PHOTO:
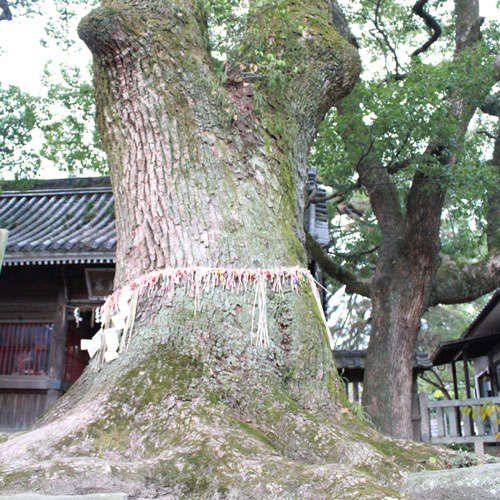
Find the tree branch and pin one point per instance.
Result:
(468, 24)
(439, 385)
(395, 166)
(456, 283)
(6, 13)
(385, 37)
(427, 193)
(491, 105)
(384, 198)
(430, 22)
(340, 23)
(488, 134)
(315, 199)
(356, 256)
(353, 283)
(374, 178)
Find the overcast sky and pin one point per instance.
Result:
(22, 57)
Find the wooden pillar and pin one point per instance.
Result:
(455, 390)
(355, 391)
(468, 421)
(58, 346)
(466, 374)
(415, 410)
(479, 447)
(4, 234)
(425, 428)
(454, 374)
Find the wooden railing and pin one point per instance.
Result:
(458, 421)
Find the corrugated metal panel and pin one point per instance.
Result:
(315, 217)
(60, 222)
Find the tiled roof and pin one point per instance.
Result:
(355, 359)
(487, 320)
(72, 221)
(59, 221)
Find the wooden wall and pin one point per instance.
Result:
(19, 409)
(40, 293)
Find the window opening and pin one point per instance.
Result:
(25, 348)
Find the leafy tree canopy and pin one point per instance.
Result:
(400, 106)
(55, 127)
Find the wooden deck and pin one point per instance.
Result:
(446, 422)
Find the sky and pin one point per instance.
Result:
(22, 56)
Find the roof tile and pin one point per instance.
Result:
(66, 221)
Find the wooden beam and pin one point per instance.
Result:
(59, 338)
(24, 382)
(31, 383)
(445, 403)
(463, 439)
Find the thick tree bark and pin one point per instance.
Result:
(400, 294)
(200, 176)
(203, 176)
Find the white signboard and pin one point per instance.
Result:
(3, 243)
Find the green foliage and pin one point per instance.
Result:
(400, 106)
(464, 458)
(447, 322)
(71, 139)
(61, 24)
(485, 412)
(57, 128)
(18, 118)
(358, 410)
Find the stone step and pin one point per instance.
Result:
(90, 496)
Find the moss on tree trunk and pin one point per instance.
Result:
(213, 175)
(192, 410)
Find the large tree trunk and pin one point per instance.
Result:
(400, 296)
(204, 177)
(401, 290)
(403, 283)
